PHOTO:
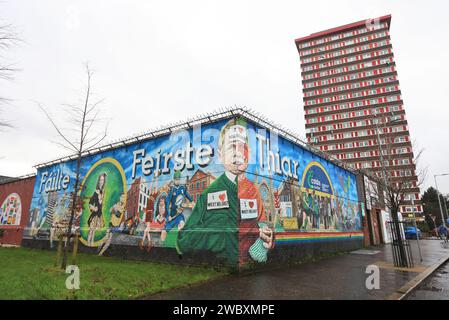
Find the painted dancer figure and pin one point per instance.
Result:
(321, 201)
(158, 223)
(301, 216)
(37, 217)
(340, 213)
(334, 217)
(53, 229)
(228, 218)
(117, 212)
(306, 211)
(327, 213)
(316, 210)
(77, 216)
(95, 221)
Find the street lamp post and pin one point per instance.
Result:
(416, 229)
(379, 141)
(445, 204)
(382, 164)
(438, 194)
(397, 229)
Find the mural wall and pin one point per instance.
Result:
(15, 198)
(229, 187)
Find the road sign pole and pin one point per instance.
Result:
(416, 229)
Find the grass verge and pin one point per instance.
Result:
(30, 274)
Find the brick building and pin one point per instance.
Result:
(15, 198)
(137, 198)
(198, 183)
(352, 101)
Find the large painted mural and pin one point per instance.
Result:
(230, 187)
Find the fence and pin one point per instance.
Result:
(402, 252)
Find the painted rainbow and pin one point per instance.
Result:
(291, 237)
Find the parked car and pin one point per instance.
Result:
(411, 232)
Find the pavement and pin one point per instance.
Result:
(338, 277)
(435, 287)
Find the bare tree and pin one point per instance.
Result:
(8, 38)
(80, 137)
(397, 188)
(394, 188)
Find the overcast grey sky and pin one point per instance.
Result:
(158, 62)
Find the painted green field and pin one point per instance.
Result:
(30, 274)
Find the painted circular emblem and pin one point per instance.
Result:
(103, 191)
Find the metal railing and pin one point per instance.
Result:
(401, 249)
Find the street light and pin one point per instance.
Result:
(393, 119)
(438, 194)
(403, 260)
(416, 229)
(445, 205)
(445, 202)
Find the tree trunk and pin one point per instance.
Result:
(72, 212)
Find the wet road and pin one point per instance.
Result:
(436, 287)
(341, 277)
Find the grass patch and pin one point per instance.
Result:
(30, 274)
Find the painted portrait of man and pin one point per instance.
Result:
(229, 218)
